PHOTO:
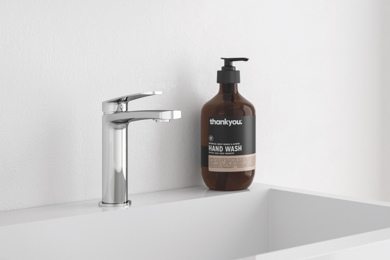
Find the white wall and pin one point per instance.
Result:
(314, 75)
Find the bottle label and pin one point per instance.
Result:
(232, 144)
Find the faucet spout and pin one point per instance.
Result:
(115, 123)
(131, 116)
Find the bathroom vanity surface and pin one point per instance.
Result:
(263, 222)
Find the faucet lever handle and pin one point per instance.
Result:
(119, 104)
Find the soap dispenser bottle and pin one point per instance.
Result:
(228, 137)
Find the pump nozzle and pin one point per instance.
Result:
(228, 74)
(229, 61)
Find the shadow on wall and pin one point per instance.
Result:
(184, 147)
(166, 156)
(385, 189)
(56, 171)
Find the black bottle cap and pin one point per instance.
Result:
(229, 74)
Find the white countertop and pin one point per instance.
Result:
(263, 222)
(27, 215)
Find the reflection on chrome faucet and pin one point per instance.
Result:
(116, 119)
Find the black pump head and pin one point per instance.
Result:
(229, 62)
(229, 74)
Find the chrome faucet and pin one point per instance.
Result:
(116, 119)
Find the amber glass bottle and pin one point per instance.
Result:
(228, 135)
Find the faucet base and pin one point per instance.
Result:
(123, 205)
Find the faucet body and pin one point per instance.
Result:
(115, 121)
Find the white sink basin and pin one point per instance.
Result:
(264, 222)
